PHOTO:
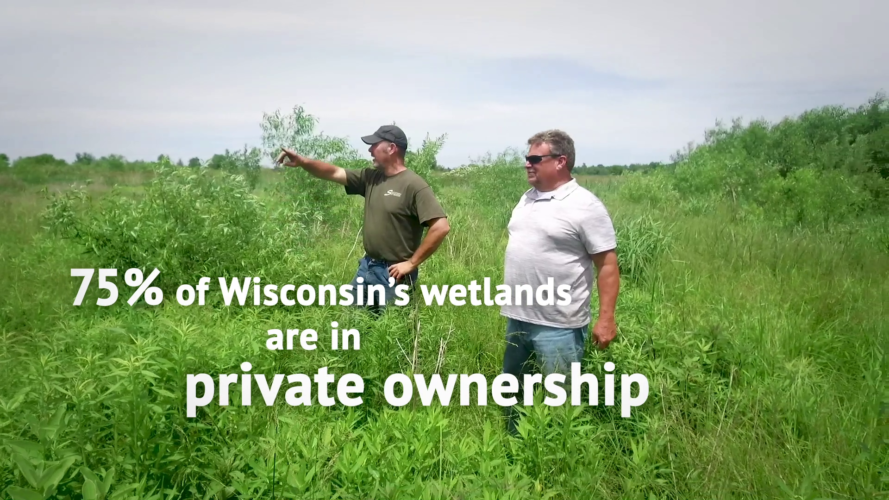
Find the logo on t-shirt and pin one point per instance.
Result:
(392, 193)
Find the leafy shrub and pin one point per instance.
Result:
(698, 175)
(37, 161)
(296, 131)
(497, 182)
(826, 165)
(246, 163)
(812, 197)
(188, 224)
(424, 159)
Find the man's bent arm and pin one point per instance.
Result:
(438, 229)
(608, 282)
(325, 171)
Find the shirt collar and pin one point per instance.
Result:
(559, 193)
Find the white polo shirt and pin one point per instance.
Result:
(552, 236)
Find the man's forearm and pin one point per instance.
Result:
(608, 283)
(434, 236)
(322, 170)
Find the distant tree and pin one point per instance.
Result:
(179, 163)
(114, 162)
(681, 155)
(194, 162)
(296, 130)
(39, 160)
(220, 162)
(84, 159)
(4, 160)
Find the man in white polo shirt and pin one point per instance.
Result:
(559, 230)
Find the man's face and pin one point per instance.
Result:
(381, 152)
(545, 174)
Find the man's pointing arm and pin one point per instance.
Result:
(317, 168)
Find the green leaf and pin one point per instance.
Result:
(17, 493)
(56, 421)
(27, 447)
(55, 473)
(123, 491)
(109, 476)
(88, 474)
(28, 470)
(163, 392)
(89, 490)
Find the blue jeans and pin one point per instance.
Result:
(376, 272)
(554, 349)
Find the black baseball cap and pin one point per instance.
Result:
(391, 133)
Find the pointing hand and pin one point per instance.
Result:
(290, 158)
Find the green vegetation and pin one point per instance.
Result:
(600, 169)
(753, 299)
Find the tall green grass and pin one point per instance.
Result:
(763, 340)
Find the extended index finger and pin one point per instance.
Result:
(287, 153)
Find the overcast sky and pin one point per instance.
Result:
(630, 81)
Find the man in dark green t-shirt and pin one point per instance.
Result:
(398, 204)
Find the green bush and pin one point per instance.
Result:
(826, 165)
(424, 161)
(811, 197)
(246, 163)
(188, 224)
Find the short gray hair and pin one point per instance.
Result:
(560, 143)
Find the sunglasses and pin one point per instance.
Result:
(535, 159)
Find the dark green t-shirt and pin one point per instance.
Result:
(396, 209)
